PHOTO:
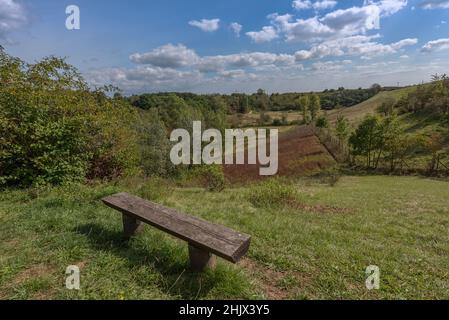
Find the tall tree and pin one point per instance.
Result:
(315, 106)
(304, 104)
(342, 129)
(366, 140)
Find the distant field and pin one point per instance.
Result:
(253, 119)
(317, 251)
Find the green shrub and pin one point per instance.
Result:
(155, 189)
(54, 130)
(213, 178)
(329, 176)
(154, 145)
(272, 193)
(322, 122)
(210, 177)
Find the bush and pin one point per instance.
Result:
(329, 176)
(212, 177)
(272, 193)
(156, 189)
(322, 122)
(53, 130)
(154, 145)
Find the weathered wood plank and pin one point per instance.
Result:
(217, 239)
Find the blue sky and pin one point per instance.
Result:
(234, 46)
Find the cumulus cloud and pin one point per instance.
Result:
(435, 4)
(168, 56)
(236, 28)
(342, 22)
(179, 56)
(12, 16)
(327, 66)
(244, 60)
(207, 25)
(317, 5)
(436, 45)
(363, 46)
(265, 35)
(388, 7)
(145, 78)
(355, 20)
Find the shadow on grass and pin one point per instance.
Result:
(178, 281)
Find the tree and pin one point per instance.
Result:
(342, 129)
(322, 122)
(376, 87)
(315, 106)
(54, 130)
(434, 144)
(366, 140)
(304, 103)
(387, 108)
(392, 138)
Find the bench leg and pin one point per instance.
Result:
(131, 226)
(200, 259)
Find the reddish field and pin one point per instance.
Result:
(300, 153)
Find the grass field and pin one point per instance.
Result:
(318, 249)
(356, 113)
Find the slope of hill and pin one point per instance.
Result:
(356, 113)
(300, 152)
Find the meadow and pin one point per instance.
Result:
(314, 247)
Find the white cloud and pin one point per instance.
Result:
(177, 57)
(12, 17)
(317, 5)
(301, 29)
(363, 46)
(388, 7)
(436, 45)
(206, 25)
(328, 66)
(243, 60)
(145, 78)
(265, 35)
(342, 22)
(236, 28)
(168, 56)
(302, 4)
(435, 4)
(354, 20)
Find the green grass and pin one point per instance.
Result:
(356, 113)
(314, 251)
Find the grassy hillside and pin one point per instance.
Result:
(356, 113)
(300, 153)
(318, 248)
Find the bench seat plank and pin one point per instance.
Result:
(217, 239)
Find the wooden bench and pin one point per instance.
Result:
(205, 239)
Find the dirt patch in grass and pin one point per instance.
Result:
(31, 273)
(272, 282)
(319, 208)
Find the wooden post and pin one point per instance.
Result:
(131, 226)
(200, 259)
